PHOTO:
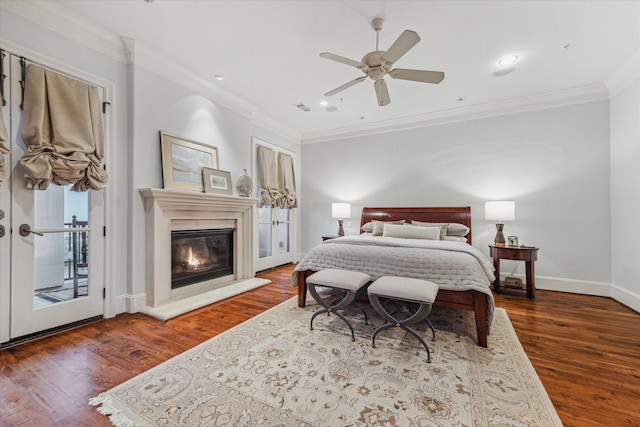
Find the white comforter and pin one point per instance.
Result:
(452, 265)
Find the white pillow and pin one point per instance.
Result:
(367, 228)
(411, 232)
(453, 229)
(443, 226)
(377, 226)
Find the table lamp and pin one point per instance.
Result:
(340, 211)
(500, 211)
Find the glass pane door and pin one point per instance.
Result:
(57, 246)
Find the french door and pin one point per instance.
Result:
(274, 237)
(275, 226)
(52, 259)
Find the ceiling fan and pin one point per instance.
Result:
(378, 63)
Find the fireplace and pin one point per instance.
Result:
(169, 212)
(200, 255)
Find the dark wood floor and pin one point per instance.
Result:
(585, 349)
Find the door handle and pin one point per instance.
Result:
(25, 230)
(2, 231)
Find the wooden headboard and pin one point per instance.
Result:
(461, 215)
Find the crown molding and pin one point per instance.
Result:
(56, 18)
(625, 74)
(152, 61)
(276, 127)
(541, 101)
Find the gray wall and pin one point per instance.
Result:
(625, 191)
(554, 163)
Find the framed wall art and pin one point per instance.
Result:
(216, 181)
(183, 161)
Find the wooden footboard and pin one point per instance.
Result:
(466, 300)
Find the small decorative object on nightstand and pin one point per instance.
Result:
(528, 254)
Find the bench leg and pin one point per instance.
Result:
(418, 316)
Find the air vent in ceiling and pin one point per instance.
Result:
(303, 107)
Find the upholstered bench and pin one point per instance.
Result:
(347, 283)
(403, 289)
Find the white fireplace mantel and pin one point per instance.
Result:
(168, 210)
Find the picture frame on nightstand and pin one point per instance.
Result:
(512, 240)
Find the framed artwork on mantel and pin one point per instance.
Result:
(216, 181)
(183, 161)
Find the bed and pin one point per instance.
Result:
(463, 273)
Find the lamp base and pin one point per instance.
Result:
(499, 240)
(341, 230)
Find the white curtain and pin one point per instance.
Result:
(62, 129)
(269, 192)
(286, 182)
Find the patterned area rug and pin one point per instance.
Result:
(273, 371)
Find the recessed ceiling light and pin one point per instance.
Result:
(218, 77)
(324, 103)
(507, 60)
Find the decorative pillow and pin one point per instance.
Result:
(456, 239)
(411, 232)
(441, 225)
(453, 229)
(377, 226)
(367, 228)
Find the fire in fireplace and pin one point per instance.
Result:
(199, 255)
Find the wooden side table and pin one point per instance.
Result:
(329, 237)
(528, 254)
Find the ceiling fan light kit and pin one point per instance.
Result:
(378, 64)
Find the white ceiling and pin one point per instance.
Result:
(268, 51)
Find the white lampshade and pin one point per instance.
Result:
(340, 210)
(500, 211)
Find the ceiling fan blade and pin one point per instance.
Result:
(406, 41)
(424, 76)
(382, 93)
(345, 86)
(342, 59)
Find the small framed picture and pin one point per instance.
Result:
(216, 181)
(512, 240)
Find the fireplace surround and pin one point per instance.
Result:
(168, 210)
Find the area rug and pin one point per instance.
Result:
(273, 370)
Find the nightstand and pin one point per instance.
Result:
(329, 237)
(528, 254)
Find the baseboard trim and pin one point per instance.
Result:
(626, 297)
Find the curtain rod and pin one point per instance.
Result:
(39, 64)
